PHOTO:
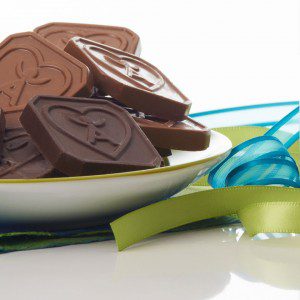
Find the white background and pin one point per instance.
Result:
(220, 53)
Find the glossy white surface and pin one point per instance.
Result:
(201, 264)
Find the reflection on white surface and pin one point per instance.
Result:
(201, 264)
(267, 236)
(241, 289)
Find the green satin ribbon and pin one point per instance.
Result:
(260, 208)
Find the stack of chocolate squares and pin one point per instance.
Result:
(78, 100)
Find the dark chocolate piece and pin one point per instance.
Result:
(81, 136)
(118, 37)
(30, 66)
(186, 135)
(2, 129)
(20, 157)
(130, 79)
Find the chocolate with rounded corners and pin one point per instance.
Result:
(118, 37)
(131, 80)
(81, 136)
(30, 66)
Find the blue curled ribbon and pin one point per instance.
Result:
(263, 160)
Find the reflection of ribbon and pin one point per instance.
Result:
(259, 161)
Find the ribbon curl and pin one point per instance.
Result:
(263, 160)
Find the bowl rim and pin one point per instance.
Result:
(121, 174)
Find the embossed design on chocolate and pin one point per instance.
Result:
(136, 72)
(30, 66)
(96, 128)
(93, 132)
(118, 37)
(20, 158)
(30, 70)
(16, 144)
(82, 136)
(130, 79)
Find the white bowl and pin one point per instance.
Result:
(94, 197)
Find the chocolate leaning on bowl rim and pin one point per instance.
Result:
(188, 134)
(131, 80)
(83, 136)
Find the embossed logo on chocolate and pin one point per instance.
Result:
(133, 71)
(29, 71)
(82, 136)
(93, 127)
(30, 66)
(18, 151)
(133, 81)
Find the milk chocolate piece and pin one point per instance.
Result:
(12, 116)
(30, 66)
(2, 129)
(187, 135)
(118, 37)
(81, 136)
(20, 157)
(130, 79)
(183, 135)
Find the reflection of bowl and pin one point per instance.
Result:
(63, 199)
(274, 261)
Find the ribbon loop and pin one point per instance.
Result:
(263, 160)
